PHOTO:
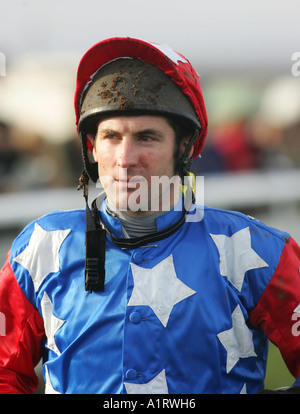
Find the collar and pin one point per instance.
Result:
(163, 221)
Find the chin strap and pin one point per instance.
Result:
(186, 164)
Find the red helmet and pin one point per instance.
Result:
(171, 64)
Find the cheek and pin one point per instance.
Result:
(95, 155)
(104, 167)
(160, 163)
(103, 156)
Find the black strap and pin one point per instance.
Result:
(135, 242)
(95, 260)
(95, 239)
(186, 162)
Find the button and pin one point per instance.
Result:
(137, 257)
(131, 374)
(135, 317)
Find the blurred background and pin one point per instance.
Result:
(248, 57)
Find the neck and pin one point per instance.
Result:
(135, 225)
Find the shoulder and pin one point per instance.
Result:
(233, 228)
(61, 219)
(228, 221)
(67, 221)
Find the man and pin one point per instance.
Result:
(146, 292)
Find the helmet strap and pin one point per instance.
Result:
(90, 168)
(186, 161)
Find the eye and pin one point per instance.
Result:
(146, 138)
(110, 136)
(149, 135)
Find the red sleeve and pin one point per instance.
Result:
(278, 311)
(21, 337)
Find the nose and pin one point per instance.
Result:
(127, 154)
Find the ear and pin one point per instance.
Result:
(92, 144)
(191, 152)
(184, 144)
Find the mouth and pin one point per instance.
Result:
(133, 179)
(131, 183)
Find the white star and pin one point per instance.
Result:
(237, 256)
(158, 385)
(297, 309)
(238, 340)
(158, 288)
(41, 257)
(51, 322)
(168, 51)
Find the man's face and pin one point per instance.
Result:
(130, 151)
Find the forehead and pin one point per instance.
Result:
(136, 123)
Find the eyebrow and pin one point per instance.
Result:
(106, 131)
(146, 131)
(149, 131)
